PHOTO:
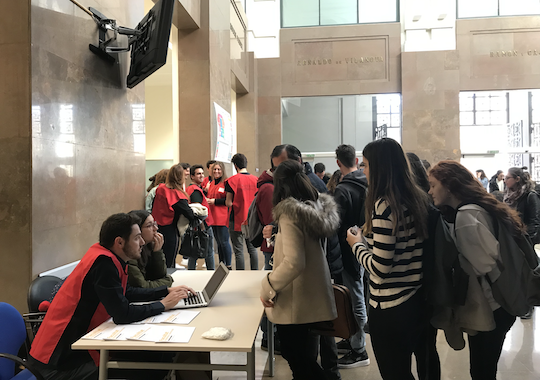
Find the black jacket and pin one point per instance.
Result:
(493, 184)
(350, 196)
(315, 181)
(528, 206)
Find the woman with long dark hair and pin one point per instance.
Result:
(150, 270)
(482, 177)
(298, 291)
(171, 201)
(395, 228)
(477, 215)
(520, 196)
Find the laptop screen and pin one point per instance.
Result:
(216, 280)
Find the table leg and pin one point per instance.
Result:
(251, 363)
(271, 356)
(103, 360)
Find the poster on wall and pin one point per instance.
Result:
(224, 141)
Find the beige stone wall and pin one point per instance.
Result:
(499, 53)
(15, 153)
(430, 104)
(341, 60)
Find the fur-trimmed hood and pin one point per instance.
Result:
(319, 219)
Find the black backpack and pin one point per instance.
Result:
(254, 228)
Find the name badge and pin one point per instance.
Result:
(221, 190)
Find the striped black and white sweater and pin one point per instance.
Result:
(394, 261)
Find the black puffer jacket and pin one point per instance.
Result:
(528, 207)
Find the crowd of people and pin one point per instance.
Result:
(367, 226)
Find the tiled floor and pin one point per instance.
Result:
(520, 359)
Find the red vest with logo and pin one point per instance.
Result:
(245, 188)
(209, 219)
(220, 214)
(162, 210)
(65, 303)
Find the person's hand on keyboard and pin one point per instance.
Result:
(172, 299)
(183, 289)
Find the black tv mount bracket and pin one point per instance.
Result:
(105, 25)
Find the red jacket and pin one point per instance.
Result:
(209, 220)
(220, 214)
(244, 186)
(264, 203)
(66, 302)
(162, 210)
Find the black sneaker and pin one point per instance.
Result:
(343, 346)
(353, 360)
(277, 346)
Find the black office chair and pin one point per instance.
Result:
(41, 289)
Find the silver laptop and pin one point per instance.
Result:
(204, 297)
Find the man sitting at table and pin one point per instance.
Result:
(95, 291)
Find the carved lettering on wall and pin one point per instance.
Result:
(346, 59)
(513, 53)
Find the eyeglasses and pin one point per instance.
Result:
(151, 225)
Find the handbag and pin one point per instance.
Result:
(345, 324)
(195, 242)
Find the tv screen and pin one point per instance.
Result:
(149, 51)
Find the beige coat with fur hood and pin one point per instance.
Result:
(300, 284)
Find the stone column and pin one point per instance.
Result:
(15, 153)
(247, 121)
(430, 91)
(204, 78)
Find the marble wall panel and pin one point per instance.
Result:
(499, 53)
(334, 61)
(15, 153)
(430, 98)
(88, 141)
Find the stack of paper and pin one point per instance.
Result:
(179, 317)
(163, 334)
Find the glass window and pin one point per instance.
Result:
(518, 7)
(338, 12)
(477, 8)
(300, 13)
(383, 11)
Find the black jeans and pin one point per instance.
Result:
(329, 357)
(485, 347)
(299, 348)
(88, 371)
(171, 242)
(395, 333)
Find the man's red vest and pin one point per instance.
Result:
(245, 188)
(209, 219)
(220, 214)
(162, 210)
(66, 301)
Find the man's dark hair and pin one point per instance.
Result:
(239, 160)
(210, 162)
(319, 167)
(114, 226)
(293, 153)
(185, 165)
(346, 154)
(195, 167)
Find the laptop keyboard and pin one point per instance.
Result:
(194, 299)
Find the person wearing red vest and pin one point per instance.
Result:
(96, 290)
(241, 189)
(196, 195)
(170, 202)
(220, 212)
(207, 180)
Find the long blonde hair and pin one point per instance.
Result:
(175, 179)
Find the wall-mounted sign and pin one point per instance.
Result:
(344, 59)
(224, 141)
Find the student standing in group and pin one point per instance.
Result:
(171, 201)
(196, 195)
(481, 175)
(207, 180)
(298, 292)
(220, 212)
(474, 231)
(149, 270)
(157, 179)
(241, 189)
(396, 226)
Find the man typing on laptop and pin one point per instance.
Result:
(95, 291)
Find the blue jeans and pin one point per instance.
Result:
(192, 262)
(221, 233)
(356, 288)
(238, 239)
